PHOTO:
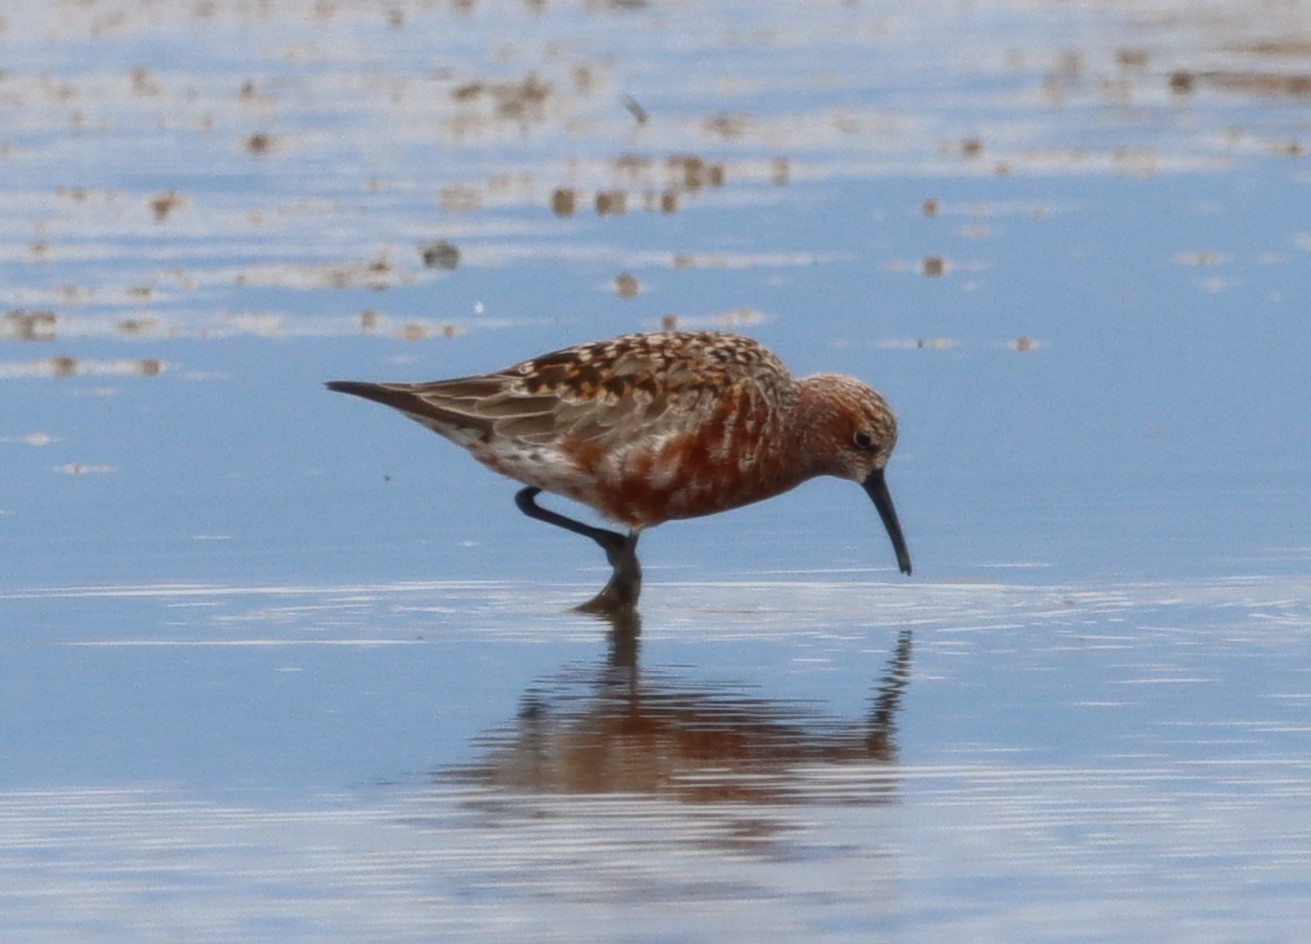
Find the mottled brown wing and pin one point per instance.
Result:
(604, 393)
(598, 393)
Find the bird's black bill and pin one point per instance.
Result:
(877, 489)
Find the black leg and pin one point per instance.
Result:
(526, 500)
(621, 591)
(620, 551)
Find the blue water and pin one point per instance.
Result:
(281, 665)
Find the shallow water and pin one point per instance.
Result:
(279, 665)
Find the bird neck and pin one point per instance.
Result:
(815, 417)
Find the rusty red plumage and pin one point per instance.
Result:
(648, 428)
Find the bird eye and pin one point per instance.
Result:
(863, 440)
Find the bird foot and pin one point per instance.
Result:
(625, 585)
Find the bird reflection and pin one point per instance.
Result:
(611, 728)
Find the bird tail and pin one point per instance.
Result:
(409, 400)
(378, 393)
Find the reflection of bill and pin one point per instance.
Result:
(614, 729)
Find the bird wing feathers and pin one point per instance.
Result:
(598, 393)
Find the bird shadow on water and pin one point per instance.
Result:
(610, 727)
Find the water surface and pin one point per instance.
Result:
(279, 665)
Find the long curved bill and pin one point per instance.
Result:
(877, 489)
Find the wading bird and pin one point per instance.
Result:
(647, 428)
